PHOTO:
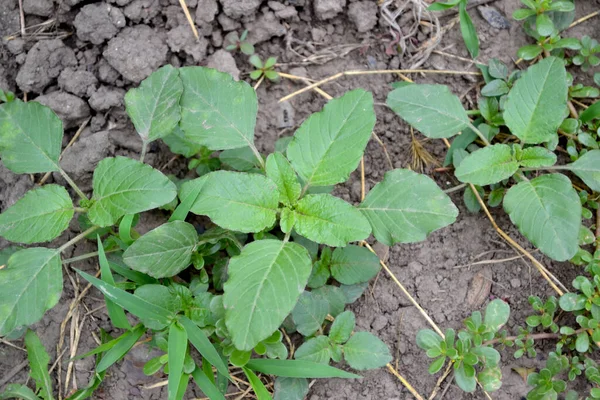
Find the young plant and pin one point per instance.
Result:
(262, 266)
(588, 56)
(240, 43)
(540, 13)
(467, 29)
(264, 69)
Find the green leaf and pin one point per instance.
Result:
(264, 283)
(523, 13)
(161, 296)
(496, 314)
(297, 369)
(334, 296)
(469, 33)
(490, 378)
(342, 327)
(582, 343)
(544, 25)
(497, 69)
(179, 144)
(18, 391)
(116, 313)
(529, 52)
(329, 144)
(315, 349)
(200, 341)
(207, 385)
(30, 137)
(437, 365)
(432, 109)
(488, 165)
(237, 201)
(259, 388)
(437, 6)
(428, 339)
(38, 362)
(163, 252)
(309, 313)
(406, 206)
(30, 284)
(216, 111)
(465, 380)
(281, 172)
(536, 105)
(366, 351)
(547, 211)
(126, 186)
(572, 302)
(240, 159)
(537, 157)
(178, 343)
(329, 220)
(39, 216)
(353, 264)
(291, 388)
(497, 87)
(587, 167)
(592, 112)
(154, 106)
(121, 348)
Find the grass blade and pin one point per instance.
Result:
(38, 362)
(116, 313)
(96, 379)
(206, 384)
(128, 301)
(259, 388)
(297, 369)
(140, 278)
(186, 204)
(125, 229)
(468, 31)
(207, 369)
(118, 351)
(198, 338)
(178, 342)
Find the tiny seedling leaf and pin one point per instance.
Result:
(297, 369)
(342, 327)
(200, 341)
(353, 264)
(432, 109)
(406, 206)
(587, 167)
(281, 172)
(126, 186)
(30, 284)
(309, 313)
(488, 165)
(154, 106)
(316, 350)
(366, 351)
(30, 137)
(264, 283)
(39, 216)
(38, 362)
(536, 105)
(547, 211)
(237, 201)
(329, 144)
(163, 252)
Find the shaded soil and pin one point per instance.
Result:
(83, 63)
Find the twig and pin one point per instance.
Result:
(262, 78)
(484, 262)
(404, 382)
(189, 18)
(363, 192)
(307, 81)
(22, 18)
(598, 229)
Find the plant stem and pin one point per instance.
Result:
(481, 135)
(77, 238)
(473, 112)
(144, 149)
(72, 184)
(86, 256)
(455, 188)
(537, 336)
(80, 209)
(287, 236)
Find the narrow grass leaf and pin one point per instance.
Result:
(297, 369)
(200, 341)
(290, 388)
(206, 385)
(115, 312)
(39, 216)
(121, 348)
(125, 229)
(488, 165)
(469, 33)
(259, 388)
(38, 362)
(178, 343)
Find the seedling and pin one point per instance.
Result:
(539, 13)
(467, 29)
(275, 257)
(239, 43)
(588, 54)
(266, 69)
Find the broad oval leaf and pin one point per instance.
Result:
(264, 283)
(329, 144)
(237, 201)
(163, 252)
(547, 211)
(39, 216)
(406, 206)
(342, 327)
(30, 284)
(537, 157)
(126, 186)
(366, 351)
(309, 313)
(353, 264)
(432, 109)
(154, 106)
(536, 104)
(290, 388)
(316, 350)
(281, 172)
(329, 220)
(179, 144)
(490, 378)
(587, 167)
(488, 165)
(30, 137)
(216, 111)
(496, 314)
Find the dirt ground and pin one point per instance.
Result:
(82, 63)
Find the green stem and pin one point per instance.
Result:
(455, 188)
(287, 236)
(473, 112)
(258, 156)
(72, 184)
(144, 149)
(77, 238)
(537, 336)
(80, 209)
(86, 256)
(481, 135)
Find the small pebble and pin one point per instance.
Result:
(494, 17)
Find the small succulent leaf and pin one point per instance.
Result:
(216, 111)
(432, 109)
(489, 354)
(264, 283)
(496, 314)
(290, 388)
(154, 106)
(238, 201)
(39, 216)
(536, 105)
(353, 264)
(587, 167)
(544, 24)
(309, 313)
(163, 252)
(316, 350)
(126, 186)
(490, 378)
(30, 284)
(488, 165)
(463, 379)
(329, 220)
(329, 144)
(179, 144)
(537, 157)
(529, 52)
(30, 137)
(428, 339)
(582, 343)
(436, 365)
(366, 351)
(548, 201)
(280, 171)
(38, 362)
(400, 215)
(342, 327)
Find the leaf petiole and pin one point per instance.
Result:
(77, 238)
(72, 184)
(478, 132)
